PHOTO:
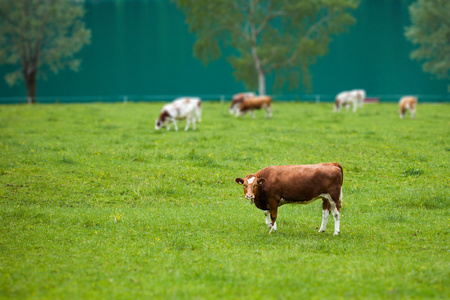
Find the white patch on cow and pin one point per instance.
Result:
(251, 180)
(268, 221)
(273, 227)
(336, 215)
(325, 215)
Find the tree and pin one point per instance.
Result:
(430, 30)
(40, 36)
(281, 36)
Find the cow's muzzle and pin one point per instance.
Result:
(250, 197)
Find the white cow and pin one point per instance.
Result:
(347, 98)
(189, 108)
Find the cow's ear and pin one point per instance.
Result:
(261, 181)
(239, 180)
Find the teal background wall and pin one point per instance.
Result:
(143, 49)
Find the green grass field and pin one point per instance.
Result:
(95, 204)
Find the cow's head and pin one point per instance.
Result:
(161, 121)
(158, 124)
(251, 186)
(337, 104)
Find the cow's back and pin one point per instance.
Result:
(256, 102)
(408, 102)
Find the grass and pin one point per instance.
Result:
(95, 204)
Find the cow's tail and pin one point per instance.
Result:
(342, 173)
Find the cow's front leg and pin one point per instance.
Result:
(268, 221)
(188, 121)
(175, 124)
(273, 218)
(269, 112)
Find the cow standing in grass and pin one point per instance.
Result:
(346, 98)
(259, 102)
(238, 99)
(189, 108)
(408, 103)
(274, 186)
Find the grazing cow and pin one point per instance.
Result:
(189, 108)
(359, 95)
(238, 99)
(408, 103)
(258, 102)
(345, 98)
(274, 186)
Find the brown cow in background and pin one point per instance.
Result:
(238, 99)
(253, 103)
(408, 103)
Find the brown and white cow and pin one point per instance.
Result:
(408, 103)
(238, 99)
(258, 102)
(189, 108)
(274, 186)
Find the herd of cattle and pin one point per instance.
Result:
(274, 186)
(190, 108)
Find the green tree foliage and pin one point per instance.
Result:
(281, 36)
(430, 30)
(40, 36)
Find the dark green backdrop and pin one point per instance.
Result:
(143, 50)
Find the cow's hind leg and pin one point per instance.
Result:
(336, 211)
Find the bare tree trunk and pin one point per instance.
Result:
(262, 83)
(260, 72)
(256, 58)
(30, 82)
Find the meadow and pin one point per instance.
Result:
(96, 204)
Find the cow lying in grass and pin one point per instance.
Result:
(408, 103)
(238, 99)
(348, 98)
(189, 108)
(258, 102)
(274, 186)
